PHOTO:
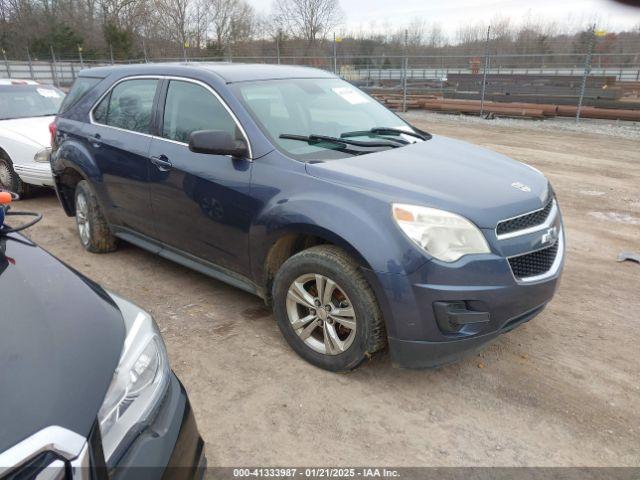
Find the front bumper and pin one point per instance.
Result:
(483, 285)
(34, 173)
(170, 447)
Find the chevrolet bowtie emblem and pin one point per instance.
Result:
(521, 186)
(550, 236)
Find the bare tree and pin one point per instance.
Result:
(231, 20)
(308, 19)
(174, 17)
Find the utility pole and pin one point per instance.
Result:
(587, 69)
(405, 66)
(484, 74)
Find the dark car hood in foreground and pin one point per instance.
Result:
(60, 342)
(446, 174)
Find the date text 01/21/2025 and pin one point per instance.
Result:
(315, 472)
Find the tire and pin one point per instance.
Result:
(93, 228)
(9, 179)
(307, 330)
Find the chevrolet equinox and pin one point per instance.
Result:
(360, 230)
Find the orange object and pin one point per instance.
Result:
(5, 198)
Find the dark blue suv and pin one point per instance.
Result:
(361, 230)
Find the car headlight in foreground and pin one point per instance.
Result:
(443, 235)
(43, 155)
(138, 384)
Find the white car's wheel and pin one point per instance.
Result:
(9, 179)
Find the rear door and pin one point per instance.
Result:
(119, 137)
(200, 202)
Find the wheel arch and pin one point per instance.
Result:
(293, 239)
(66, 182)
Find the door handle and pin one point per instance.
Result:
(95, 140)
(162, 162)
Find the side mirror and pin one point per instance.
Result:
(217, 142)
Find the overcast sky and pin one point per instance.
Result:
(378, 14)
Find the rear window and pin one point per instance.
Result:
(25, 101)
(80, 87)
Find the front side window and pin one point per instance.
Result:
(190, 107)
(325, 107)
(128, 106)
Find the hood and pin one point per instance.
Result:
(35, 129)
(447, 174)
(60, 341)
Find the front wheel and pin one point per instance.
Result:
(326, 309)
(9, 179)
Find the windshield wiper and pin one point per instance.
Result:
(388, 131)
(314, 139)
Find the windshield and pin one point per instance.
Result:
(318, 108)
(24, 101)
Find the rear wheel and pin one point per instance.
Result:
(93, 228)
(9, 179)
(326, 309)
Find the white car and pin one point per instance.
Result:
(26, 110)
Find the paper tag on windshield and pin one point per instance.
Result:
(350, 95)
(47, 93)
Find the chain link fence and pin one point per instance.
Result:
(402, 81)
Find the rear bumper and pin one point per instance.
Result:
(34, 173)
(170, 447)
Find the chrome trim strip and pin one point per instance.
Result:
(56, 439)
(551, 218)
(80, 466)
(182, 79)
(555, 266)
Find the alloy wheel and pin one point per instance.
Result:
(321, 314)
(82, 218)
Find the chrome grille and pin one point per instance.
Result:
(528, 220)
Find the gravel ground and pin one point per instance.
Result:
(611, 128)
(562, 390)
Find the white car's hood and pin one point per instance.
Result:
(34, 129)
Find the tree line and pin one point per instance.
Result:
(135, 29)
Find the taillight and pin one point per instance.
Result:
(53, 128)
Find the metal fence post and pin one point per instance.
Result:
(484, 74)
(405, 65)
(335, 54)
(278, 45)
(80, 55)
(30, 64)
(144, 51)
(54, 67)
(587, 70)
(6, 63)
(111, 53)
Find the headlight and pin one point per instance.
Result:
(443, 235)
(139, 382)
(43, 155)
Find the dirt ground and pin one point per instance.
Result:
(562, 390)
